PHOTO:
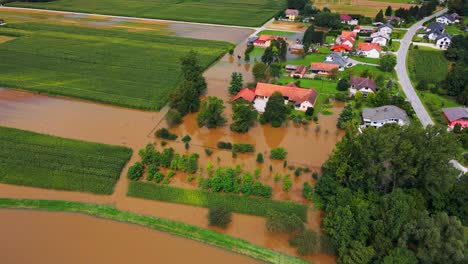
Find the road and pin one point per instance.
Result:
(402, 72)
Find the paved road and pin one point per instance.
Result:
(403, 74)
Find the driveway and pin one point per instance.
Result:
(403, 73)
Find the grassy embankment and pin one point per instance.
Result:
(228, 12)
(177, 228)
(38, 160)
(239, 204)
(430, 65)
(136, 70)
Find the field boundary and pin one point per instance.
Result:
(173, 227)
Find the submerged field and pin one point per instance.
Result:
(135, 70)
(228, 12)
(38, 160)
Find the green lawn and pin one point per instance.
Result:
(314, 57)
(427, 64)
(38, 160)
(276, 33)
(365, 59)
(454, 30)
(375, 71)
(229, 12)
(434, 104)
(136, 70)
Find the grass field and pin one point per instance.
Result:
(136, 70)
(427, 64)
(173, 227)
(434, 104)
(229, 12)
(38, 160)
(236, 203)
(367, 8)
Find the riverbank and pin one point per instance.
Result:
(177, 228)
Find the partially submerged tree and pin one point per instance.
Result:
(275, 110)
(211, 112)
(236, 83)
(243, 116)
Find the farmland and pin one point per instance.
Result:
(427, 64)
(44, 161)
(135, 70)
(362, 7)
(228, 12)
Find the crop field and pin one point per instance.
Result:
(228, 12)
(112, 66)
(38, 160)
(427, 64)
(368, 8)
(237, 203)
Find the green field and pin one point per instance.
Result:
(136, 70)
(38, 160)
(228, 12)
(427, 64)
(236, 203)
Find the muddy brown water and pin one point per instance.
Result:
(46, 237)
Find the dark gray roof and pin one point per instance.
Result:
(443, 35)
(436, 27)
(455, 113)
(449, 17)
(360, 82)
(384, 112)
(338, 59)
(386, 25)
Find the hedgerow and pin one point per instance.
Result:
(242, 148)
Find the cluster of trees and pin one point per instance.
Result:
(231, 180)
(164, 133)
(278, 153)
(391, 196)
(388, 62)
(456, 82)
(264, 72)
(211, 113)
(416, 12)
(328, 19)
(236, 83)
(186, 98)
(312, 37)
(276, 111)
(219, 216)
(383, 97)
(345, 117)
(243, 116)
(276, 52)
(305, 7)
(168, 159)
(458, 6)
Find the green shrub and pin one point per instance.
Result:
(158, 177)
(242, 148)
(190, 178)
(278, 153)
(234, 202)
(186, 139)
(173, 118)
(165, 134)
(307, 191)
(315, 175)
(278, 222)
(287, 183)
(307, 242)
(135, 171)
(208, 151)
(259, 158)
(187, 145)
(297, 172)
(163, 143)
(277, 177)
(224, 145)
(219, 216)
(166, 180)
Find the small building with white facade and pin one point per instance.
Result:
(363, 85)
(370, 50)
(443, 41)
(387, 114)
(447, 19)
(385, 29)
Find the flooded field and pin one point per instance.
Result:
(45, 237)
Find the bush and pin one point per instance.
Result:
(165, 134)
(309, 111)
(152, 169)
(307, 242)
(186, 139)
(163, 143)
(259, 158)
(219, 216)
(307, 191)
(208, 151)
(135, 171)
(278, 153)
(224, 145)
(278, 222)
(287, 183)
(173, 118)
(187, 145)
(158, 177)
(190, 178)
(242, 148)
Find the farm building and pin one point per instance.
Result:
(321, 68)
(299, 72)
(456, 115)
(264, 41)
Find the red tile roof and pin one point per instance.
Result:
(320, 66)
(364, 46)
(348, 35)
(298, 95)
(291, 12)
(345, 17)
(265, 38)
(340, 47)
(245, 94)
(300, 70)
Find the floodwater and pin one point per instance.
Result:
(46, 237)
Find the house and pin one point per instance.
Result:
(385, 29)
(302, 99)
(321, 68)
(394, 19)
(370, 50)
(297, 48)
(363, 85)
(290, 67)
(299, 72)
(347, 19)
(434, 30)
(291, 14)
(264, 41)
(357, 28)
(346, 38)
(341, 48)
(456, 115)
(377, 24)
(447, 19)
(366, 29)
(379, 38)
(387, 114)
(443, 41)
(251, 40)
(337, 58)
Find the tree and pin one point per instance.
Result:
(268, 56)
(243, 116)
(135, 171)
(211, 111)
(380, 17)
(278, 153)
(236, 83)
(422, 85)
(297, 4)
(259, 158)
(219, 216)
(275, 69)
(258, 71)
(400, 256)
(345, 116)
(307, 242)
(388, 62)
(173, 118)
(185, 98)
(279, 222)
(356, 253)
(343, 84)
(275, 110)
(388, 11)
(192, 71)
(390, 42)
(327, 19)
(287, 183)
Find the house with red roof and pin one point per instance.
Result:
(456, 115)
(347, 19)
(363, 85)
(299, 72)
(321, 68)
(370, 50)
(346, 38)
(264, 41)
(341, 48)
(301, 98)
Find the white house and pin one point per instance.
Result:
(434, 30)
(346, 38)
(347, 19)
(385, 29)
(370, 50)
(443, 41)
(380, 38)
(447, 19)
(363, 85)
(387, 114)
